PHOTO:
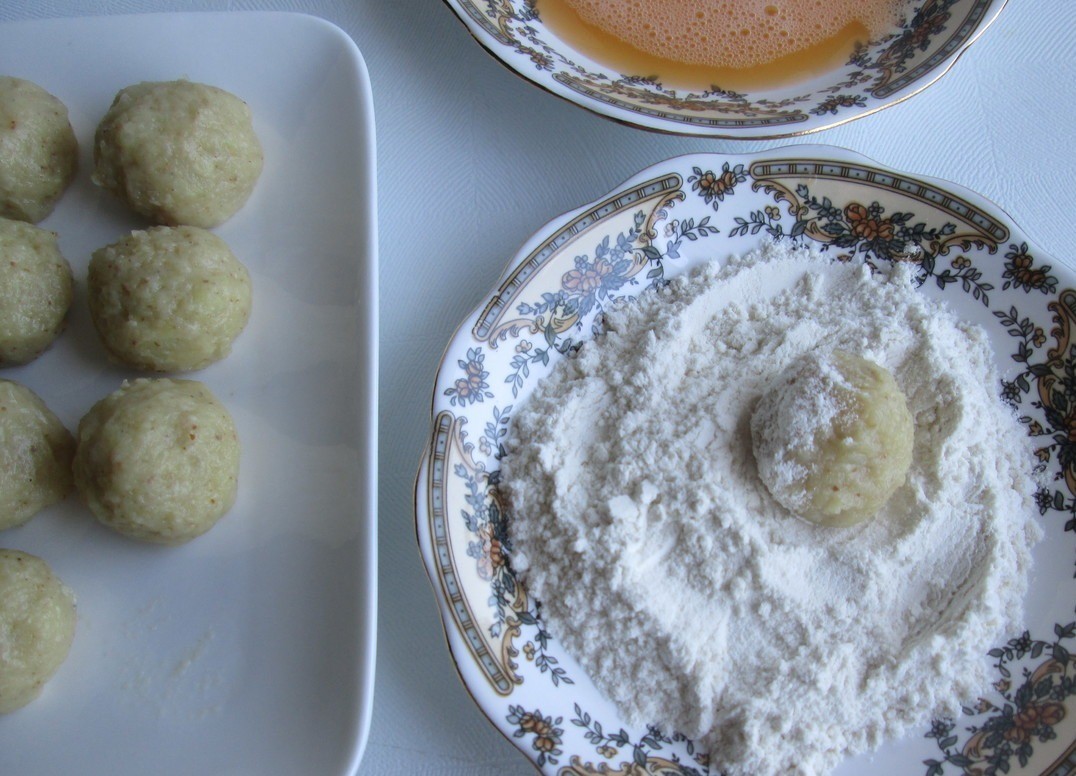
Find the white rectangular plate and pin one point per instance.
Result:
(250, 649)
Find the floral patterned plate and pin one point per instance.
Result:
(666, 219)
(888, 70)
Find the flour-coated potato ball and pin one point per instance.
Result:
(178, 152)
(38, 150)
(833, 438)
(35, 455)
(158, 460)
(36, 291)
(37, 626)
(168, 299)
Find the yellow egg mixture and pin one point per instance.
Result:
(738, 45)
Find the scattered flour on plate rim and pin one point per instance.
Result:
(694, 601)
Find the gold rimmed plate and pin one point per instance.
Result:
(660, 223)
(899, 64)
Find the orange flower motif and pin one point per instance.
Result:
(1020, 261)
(463, 389)
(547, 737)
(492, 558)
(540, 60)
(714, 186)
(717, 185)
(472, 386)
(589, 280)
(1021, 272)
(1037, 279)
(865, 227)
(930, 26)
(1028, 719)
(545, 744)
(835, 103)
(474, 375)
(528, 722)
(1051, 713)
(1024, 723)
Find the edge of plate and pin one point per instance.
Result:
(367, 316)
(368, 320)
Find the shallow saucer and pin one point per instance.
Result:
(663, 221)
(895, 67)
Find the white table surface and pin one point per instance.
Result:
(463, 145)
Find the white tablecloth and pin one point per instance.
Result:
(472, 159)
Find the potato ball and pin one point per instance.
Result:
(37, 625)
(178, 152)
(35, 455)
(833, 438)
(168, 299)
(35, 291)
(158, 460)
(38, 150)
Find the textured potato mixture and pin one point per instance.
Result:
(833, 438)
(158, 460)
(36, 291)
(38, 150)
(178, 152)
(37, 625)
(168, 299)
(35, 455)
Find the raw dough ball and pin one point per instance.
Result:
(35, 291)
(158, 460)
(38, 150)
(35, 455)
(178, 152)
(833, 439)
(37, 625)
(169, 298)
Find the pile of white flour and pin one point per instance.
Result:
(696, 602)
